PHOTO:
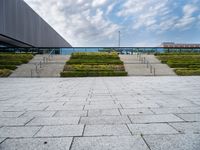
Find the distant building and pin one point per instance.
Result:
(20, 26)
(179, 45)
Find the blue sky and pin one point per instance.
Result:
(141, 22)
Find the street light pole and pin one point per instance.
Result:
(119, 39)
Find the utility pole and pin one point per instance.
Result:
(119, 39)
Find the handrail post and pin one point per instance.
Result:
(154, 71)
(151, 69)
(31, 73)
(36, 68)
(40, 64)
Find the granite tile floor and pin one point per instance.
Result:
(119, 113)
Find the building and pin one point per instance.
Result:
(179, 45)
(21, 26)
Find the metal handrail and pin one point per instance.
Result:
(144, 60)
(45, 60)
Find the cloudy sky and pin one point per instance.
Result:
(141, 22)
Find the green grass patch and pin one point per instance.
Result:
(94, 64)
(185, 64)
(5, 72)
(10, 61)
(188, 72)
(92, 73)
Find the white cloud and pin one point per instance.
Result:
(79, 23)
(96, 3)
(187, 18)
(145, 13)
(93, 22)
(110, 8)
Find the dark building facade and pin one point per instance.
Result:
(21, 26)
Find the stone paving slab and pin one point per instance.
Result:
(1, 140)
(54, 121)
(18, 132)
(107, 143)
(136, 111)
(39, 114)
(105, 120)
(190, 117)
(159, 128)
(37, 144)
(10, 114)
(155, 118)
(187, 127)
(191, 109)
(14, 121)
(109, 130)
(59, 131)
(67, 107)
(104, 106)
(71, 113)
(167, 110)
(103, 112)
(102, 102)
(144, 105)
(173, 142)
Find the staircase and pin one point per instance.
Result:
(145, 65)
(42, 66)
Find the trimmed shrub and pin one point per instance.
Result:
(92, 55)
(185, 63)
(5, 72)
(92, 73)
(181, 64)
(188, 72)
(93, 64)
(7, 62)
(82, 67)
(94, 61)
(10, 61)
(11, 67)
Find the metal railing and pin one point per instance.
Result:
(144, 60)
(38, 66)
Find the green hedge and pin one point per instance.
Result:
(92, 55)
(10, 61)
(82, 67)
(194, 66)
(94, 61)
(94, 64)
(188, 72)
(92, 73)
(5, 72)
(11, 67)
(181, 64)
(7, 62)
(184, 63)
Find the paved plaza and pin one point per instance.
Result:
(119, 113)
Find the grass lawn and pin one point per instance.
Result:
(10, 61)
(92, 64)
(184, 64)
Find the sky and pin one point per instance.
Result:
(96, 23)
